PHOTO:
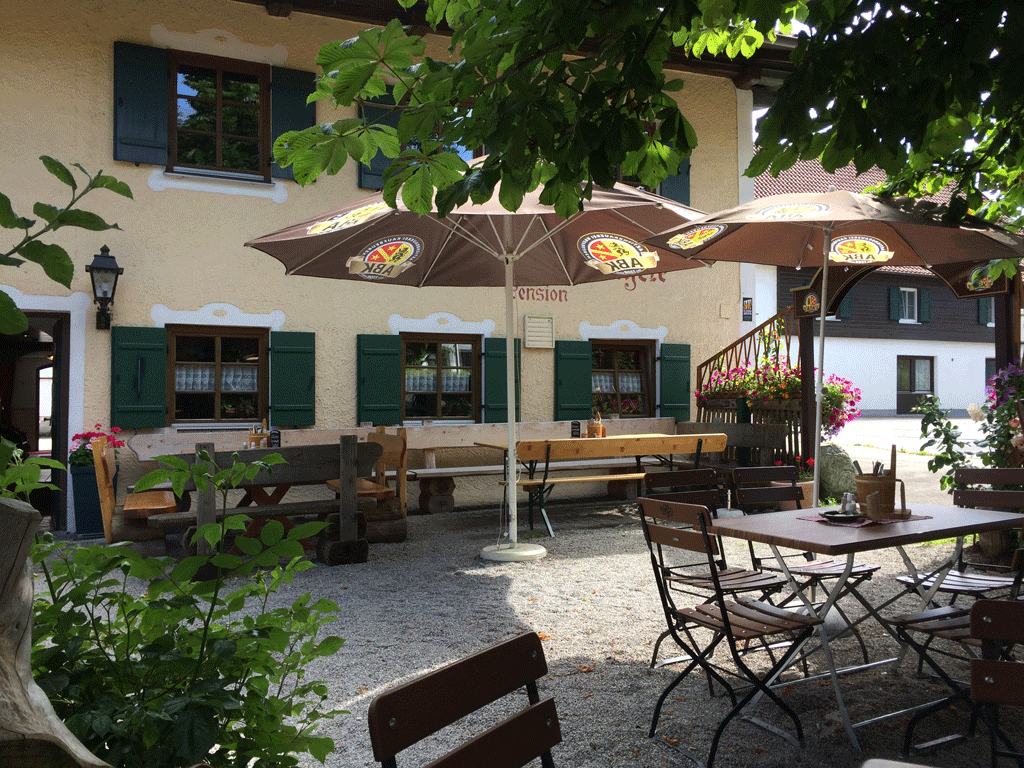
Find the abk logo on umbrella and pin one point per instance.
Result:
(858, 249)
(696, 237)
(346, 220)
(386, 258)
(616, 255)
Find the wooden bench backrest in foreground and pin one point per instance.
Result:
(564, 449)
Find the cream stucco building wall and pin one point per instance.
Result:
(180, 240)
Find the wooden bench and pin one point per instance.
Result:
(344, 540)
(545, 456)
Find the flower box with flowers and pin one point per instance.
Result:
(773, 380)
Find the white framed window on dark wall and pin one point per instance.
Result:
(908, 305)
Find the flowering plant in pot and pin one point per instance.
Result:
(775, 379)
(81, 445)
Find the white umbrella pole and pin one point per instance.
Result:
(512, 399)
(513, 551)
(819, 379)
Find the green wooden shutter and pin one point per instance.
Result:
(288, 108)
(292, 378)
(984, 310)
(677, 187)
(138, 377)
(372, 176)
(675, 381)
(845, 310)
(140, 104)
(378, 379)
(926, 305)
(573, 382)
(495, 405)
(895, 303)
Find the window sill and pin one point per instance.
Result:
(212, 427)
(247, 186)
(909, 322)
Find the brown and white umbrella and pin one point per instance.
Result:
(486, 245)
(800, 229)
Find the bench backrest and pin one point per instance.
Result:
(564, 449)
(306, 464)
(765, 443)
(419, 708)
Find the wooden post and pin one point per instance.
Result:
(348, 528)
(808, 405)
(206, 503)
(31, 734)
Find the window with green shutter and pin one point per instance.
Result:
(675, 381)
(573, 379)
(218, 374)
(227, 113)
(441, 377)
(622, 378)
(378, 379)
(292, 379)
(138, 377)
(495, 405)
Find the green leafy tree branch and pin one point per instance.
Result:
(561, 94)
(51, 257)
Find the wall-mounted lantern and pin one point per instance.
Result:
(104, 272)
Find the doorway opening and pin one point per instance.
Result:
(34, 400)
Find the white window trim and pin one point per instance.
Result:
(906, 320)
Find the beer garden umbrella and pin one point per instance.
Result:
(485, 245)
(810, 230)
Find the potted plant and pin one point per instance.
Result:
(806, 481)
(88, 516)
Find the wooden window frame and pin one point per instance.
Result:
(648, 351)
(914, 359)
(177, 59)
(476, 377)
(262, 335)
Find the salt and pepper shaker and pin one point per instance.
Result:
(850, 503)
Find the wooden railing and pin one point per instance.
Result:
(773, 338)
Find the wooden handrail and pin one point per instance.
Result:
(748, 349)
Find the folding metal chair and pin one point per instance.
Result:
(415, 710)
(687, 527)
(975, 580)
(690, 575)
(922, 631)
(997, 680)
(755, 494)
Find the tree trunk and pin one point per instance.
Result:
(31, 734)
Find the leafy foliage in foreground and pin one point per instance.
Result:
(564, 93)
(151, 665)
(51, 257)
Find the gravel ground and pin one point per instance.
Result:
(431, 600)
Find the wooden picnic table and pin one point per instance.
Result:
(590, 453)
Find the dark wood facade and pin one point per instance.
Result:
(951, 319)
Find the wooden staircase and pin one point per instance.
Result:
(772, 338)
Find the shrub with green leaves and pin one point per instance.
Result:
(152, 666)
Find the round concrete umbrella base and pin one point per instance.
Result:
(508, 553)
